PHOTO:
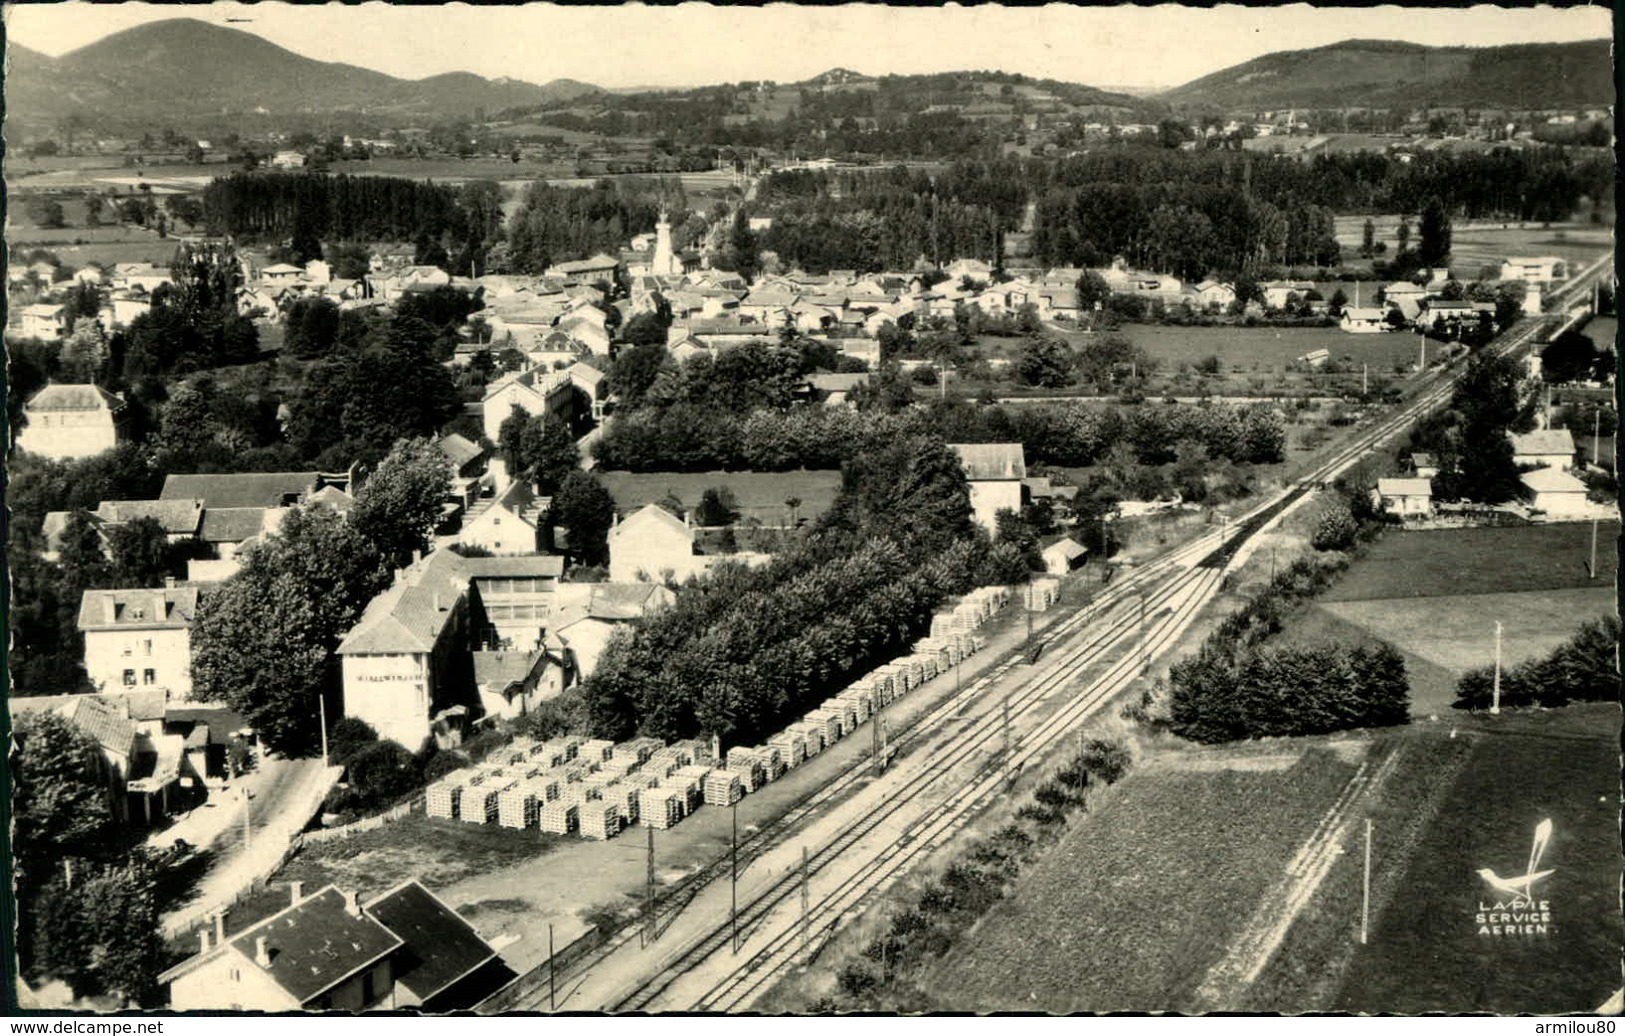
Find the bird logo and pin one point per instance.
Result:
(1521, 886)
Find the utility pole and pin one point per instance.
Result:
(1365, 371)
(321, 704)
(1143, 660)
(248, 832)
(806, 932)
(1422, 363)
(875, 734)
(1593, 566)
(733, 907)
(1365, 897)
(1495, 701)
(1596, 458)
(552, 987)
(649, 893)
(1006, 724)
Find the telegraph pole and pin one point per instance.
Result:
(1006, 724)
(1365, 370)
(733, 908)
(1365, 898)
(552, 987)
(1593, 567)
(806, 932)
(321, 704)
(875, 734)
(1143, 659)
(649, 892)
(1596, 458)
(1495, 701)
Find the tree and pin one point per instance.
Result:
(383, 772)
(142, 554)
(262, 640)
(1045, 362)
(1368, 239)
(1335, 529)
(119, 910)
(349, 736)
(1339, 301)
(1014, 532)
(46, 213)
(1434, 249)
(311, 327)
(717, 507)
(646, 329)
(584, 507)
(84, 352)
(398, 506)
(61, 807)
(635, 369)
(1404, 233)
(1092, 290)
(538, 448)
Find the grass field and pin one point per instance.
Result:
(1130, 910)
(1456, 562)
(758, 495)
(77, 246)
(1268, 348)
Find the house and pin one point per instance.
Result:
(229, 529)
(511, 524)
(124, 307)
(281, 273)
(139, 638)
(1555, 492)
(599, 267)
(512, 683)
(331, 952)
(1405, 497)
(535, 391)
(406, 661)
(141, 764)
(1544, 447)
(1278, 293)
(287, 160)
(592, 383)
(65, 422)
(1425, 465)
(995, 471)
(975, 269)
(1063, 556)
(1364, 320)
(592, 612)
(517, 595)
(181, 520)
(45, 320)
(256, 489)
(144, 276)
(1214, 295)
(650, 544)
(1534, 270)
(1437, 312)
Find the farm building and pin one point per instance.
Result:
(1405, 497)
(1556, 492)
(1063, 556)
(1544, 447)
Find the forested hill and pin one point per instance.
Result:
(1388, 74)
(840, 111)
(166, 72)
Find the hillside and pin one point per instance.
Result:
(171, 70)
(1383, 74)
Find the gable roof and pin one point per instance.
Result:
(316, 944)
(1552, 480)
(254, 489)
(231, 524)
(331, 497)
(106, 722)
(991, 460)
(438, 946)
(458, 449)
(55, 398)
(499, 670)
(176, 516)
(621, 601)
(649, 517)
(1404, 487)
(1068, 548)
(1543, 441)
(515, 566)
(139, 609)
(409, 617)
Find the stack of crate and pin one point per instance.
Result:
(561, 816)
(599, 820)
(579, 770)
(691, 779)
(1041, 593)
(659, 808)
(592, 786)
(440, 799)
(698, 750)
(792, 747)
(828, 723)
(723, 788)
(880, 685)
(744, 762)
(624, 796)
(847, 712)
(640, 747)
(513, 806)
(479, 802)
(595, 751)
(620, 765)
(772, 761)
(811, 735)
(661, 764)
(860, 701)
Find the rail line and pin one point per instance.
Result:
(1196, 570)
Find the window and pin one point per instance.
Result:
(129, 677)
(149, 676)
(236, 975)
(146, 648)
(128, 651)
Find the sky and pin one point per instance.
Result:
(696, 44)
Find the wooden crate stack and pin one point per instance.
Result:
(513, 806)
(561, 816)
(660, 808)
(812, 737)
(792, 747)
(698, 749)
(744, 762)
(860, 700)
(479, 803)
(625, 796)
(621, 765)
(440, 799)
(595, 751)
(847, 713)
(723, 788)
(829, 725)
(772, 762)
(692, 780)
(599, 820)
(592, 786)
(640, 747)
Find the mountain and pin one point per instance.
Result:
(182, 68)
(1394, 74)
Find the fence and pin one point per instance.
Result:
(331, 834)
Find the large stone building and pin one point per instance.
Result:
(140, 638)
(65, 422)
(995, 471)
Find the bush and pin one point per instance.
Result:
(1336, 529)
(384, 772)
(1583, 669)
(443, 763)
(349, 736)
(855, 980)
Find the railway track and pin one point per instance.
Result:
(1176, 585)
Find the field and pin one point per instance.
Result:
(758, 495)
(1458, 562)
(77, 246)
(1135, 905)
(1476, 245)
(1269, 349)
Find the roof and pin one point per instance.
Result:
(586, 372)
(315, 943)
(838, 382)
(618, 601)
(1552, 480)
(53, 398)
(220, 721)
(1363, 313)
(139, 706)
(409, 617)
(139, 609)
(501, 669)
(176, 516)
(283, 268)
(1543, 441)
(439, 946)
(1404, 487)
(458, 449)
(1525, 260)
(1422, 460)
(1069, 548)
(331, 497)
(650, 515)
(991, 461)
(232, 524)
(255, 489)
(107, 722)
(515, 566)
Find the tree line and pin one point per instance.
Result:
(554, 224)
(1585, 668)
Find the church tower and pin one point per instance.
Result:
(666, 263)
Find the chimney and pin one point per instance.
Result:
(220, 927)
(169, 582)
(109, 608)
(298, 888)
(160, 606)
(262, 952)
(203, 941)
(352, 906)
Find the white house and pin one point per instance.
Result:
(45, 320)
(1278, 293)
(1364, 320)
(1211, 294)
(510, 524)
(535, 391)
(69, 421)
(407, 661)
(592, 612)
(1063, 556)
(1534, 270)
(1405, 497)
(648, 544)
(995, 471)
(1544, 447)
(139, 638)
(1556, 492)
(287, 160)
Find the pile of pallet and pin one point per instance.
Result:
(1042, 593)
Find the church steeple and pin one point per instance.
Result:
(665, 261)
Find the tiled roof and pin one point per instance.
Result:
(501, 669)
(108, 723)
(838, 382)
(1551, 480)
(162, 608)
(409, 617)
(331, 497)
(232, 524)
(440, 947)
(1404, 487)
(621, 601)
(256, 489)
(1543, 441)
(1069, 548)
(458, 449)
(176, 516)
(991, 460)
(515, 566)
(54, 398)
(316, 943)
(649, 515)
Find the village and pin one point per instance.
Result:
(392, 575)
